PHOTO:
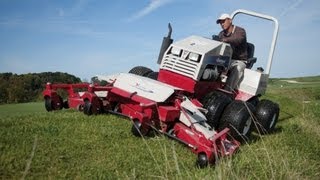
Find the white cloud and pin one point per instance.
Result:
(152, 6)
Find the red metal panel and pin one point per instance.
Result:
(168, 113)
(176, 80)
(197, 140)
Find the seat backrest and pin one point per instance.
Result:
(250, 50)
(251, 60)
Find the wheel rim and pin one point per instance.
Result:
(80, 107)
(274, 117)
(247, 126)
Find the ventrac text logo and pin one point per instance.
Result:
(142, 88)
(221, 61)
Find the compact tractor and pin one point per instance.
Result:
(185, 99)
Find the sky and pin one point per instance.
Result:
(94, 37)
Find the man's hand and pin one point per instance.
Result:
(224, 40)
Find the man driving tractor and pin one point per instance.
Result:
(236, 37)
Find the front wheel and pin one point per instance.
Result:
(215, 103)
(238, 118)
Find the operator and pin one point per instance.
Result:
(236, 37)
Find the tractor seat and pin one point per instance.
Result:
(251, 60)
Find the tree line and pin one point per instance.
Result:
(22, 88)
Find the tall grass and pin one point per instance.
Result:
(35, 144)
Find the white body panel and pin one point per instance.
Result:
(101, 93)
(254, 82)
(201, 45)
(144, 87)
(98, 93)
(195, 118)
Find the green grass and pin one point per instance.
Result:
(68, 144)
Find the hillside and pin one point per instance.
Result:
(67, 144)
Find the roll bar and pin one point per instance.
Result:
(275, 32)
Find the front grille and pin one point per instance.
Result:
(181, 66)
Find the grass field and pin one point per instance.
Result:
(35, 144)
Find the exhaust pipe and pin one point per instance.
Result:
(166, 42)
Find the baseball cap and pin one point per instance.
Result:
(223, 17)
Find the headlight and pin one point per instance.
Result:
(176, 51)
(194, 56)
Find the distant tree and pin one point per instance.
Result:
(28, 87)
(16, 89)
(95, 80)
(4, 83)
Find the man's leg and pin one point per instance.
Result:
(237, 69)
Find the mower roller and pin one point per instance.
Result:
(185, 99)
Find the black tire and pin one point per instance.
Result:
(92, 108)
(66, 105)
(87, 107)
(48, 103)
(215, 103)
(202, 160)
(141, 71)
(238, 118)
(254, 101)
(138, 130)
(58, 105)
(153, 75)
(53, 104)
(267, 114)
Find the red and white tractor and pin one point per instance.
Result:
(185, 99)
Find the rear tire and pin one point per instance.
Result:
(141, 71)
(237, 117)
(215, 103)
(267, 115)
